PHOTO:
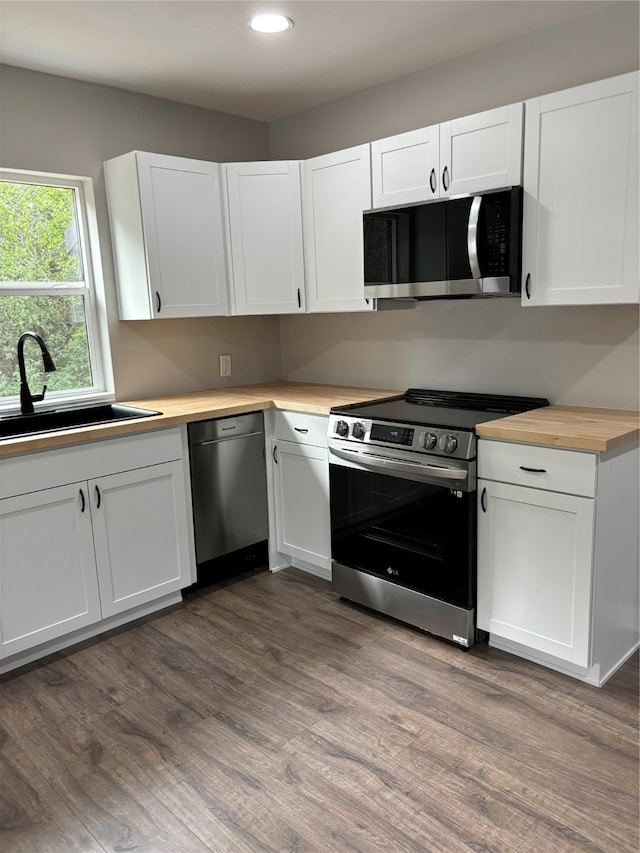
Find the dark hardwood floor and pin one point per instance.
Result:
(267, 715)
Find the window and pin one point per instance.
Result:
(51, 283)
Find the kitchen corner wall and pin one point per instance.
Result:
(581, 356)
(55, 124)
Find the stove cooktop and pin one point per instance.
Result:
(446, 409)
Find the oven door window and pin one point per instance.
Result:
(417, 535)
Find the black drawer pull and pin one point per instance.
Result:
(527, 286)
(445, 178)
(275, 458)
(98, 498)
(300, 429)
(432, 180)
(82, 507)
(533, 470)
(483, 499)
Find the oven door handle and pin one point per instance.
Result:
(418, 468)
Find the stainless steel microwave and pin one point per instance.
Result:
(463, 246)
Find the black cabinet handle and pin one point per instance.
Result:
(299, 300)
(158, 302)
(275, 458)
(482, 500)
(533, 470)
(445, 178)
(98, 498)
(432, 180)
(83, 504)
(300, 429)
(527, 285)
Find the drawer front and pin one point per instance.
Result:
(568, 471)
(301, 427)
(71, 464)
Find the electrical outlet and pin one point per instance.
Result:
(225, 365)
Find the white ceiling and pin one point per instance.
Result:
(201, 52)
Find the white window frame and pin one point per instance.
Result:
(92, 289)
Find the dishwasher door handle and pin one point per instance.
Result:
(227, 438)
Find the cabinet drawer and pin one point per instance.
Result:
(302, 427)
(539, 467)
(34, 471)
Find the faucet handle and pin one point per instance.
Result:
(37, 398)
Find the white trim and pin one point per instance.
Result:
(91, 288)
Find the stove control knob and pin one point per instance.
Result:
(448, 443)
(342, 428)
(358, 431)
(430, 440)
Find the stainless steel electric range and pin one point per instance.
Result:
(403, 504)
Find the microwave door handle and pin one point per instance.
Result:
(472, 237)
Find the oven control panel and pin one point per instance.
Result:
(437, 441)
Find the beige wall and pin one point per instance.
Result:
(55, 124)
(582, 356)
(600, 44)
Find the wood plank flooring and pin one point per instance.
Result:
(265, 714)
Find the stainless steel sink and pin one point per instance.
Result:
(16, 426)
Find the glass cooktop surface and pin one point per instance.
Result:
(455, 410)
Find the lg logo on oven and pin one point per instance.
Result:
(392, 571)
(455, 493)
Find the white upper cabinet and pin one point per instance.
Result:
(471, 154)
(405, 168)
(264, 233)
(336, 190)
(482, 151)
(581, 195)
(168, 238)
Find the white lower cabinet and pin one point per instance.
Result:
(141, 535)
(75, 554)
(536, 550)
(300, 491)
(48, 582)
(558, 555)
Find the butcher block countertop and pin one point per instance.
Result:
(201, 405)
(572, 427)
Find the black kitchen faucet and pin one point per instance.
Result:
(27, 399)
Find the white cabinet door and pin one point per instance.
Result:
(48, 584)
(301, 479)
(535, 568)
(405, 168)
(581, 195)
(141, 535)
(265, 237)
(168, 237)
(336, 191)
(467, 155)
(482, 151)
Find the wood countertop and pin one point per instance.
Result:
(571, 427)
(202, 405)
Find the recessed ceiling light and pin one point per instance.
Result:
(270, 23)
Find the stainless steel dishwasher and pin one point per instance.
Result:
(229, 490)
